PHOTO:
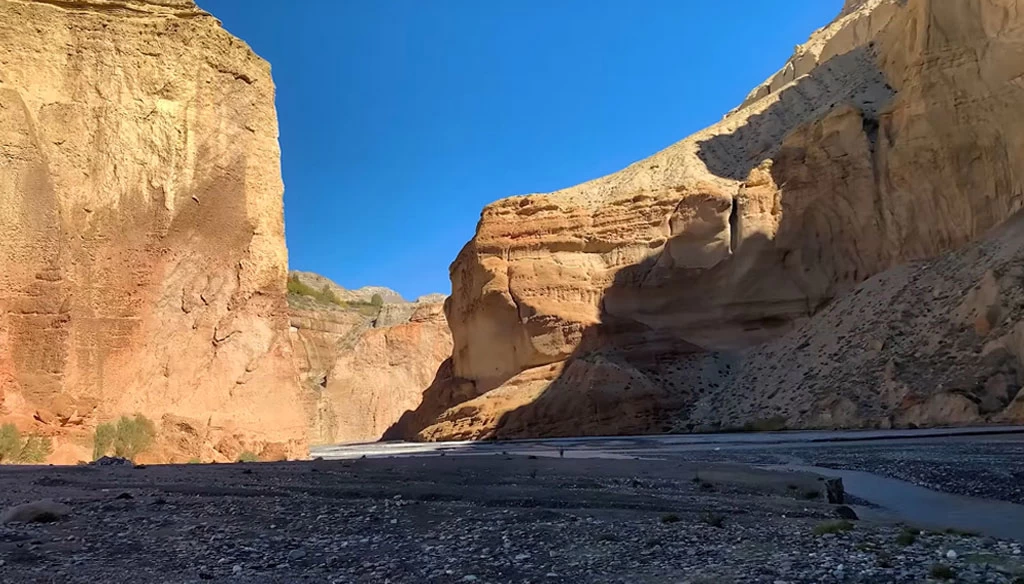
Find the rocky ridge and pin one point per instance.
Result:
(142, 262)
(672, 294)
(364, 294)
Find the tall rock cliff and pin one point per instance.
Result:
(142, 256)
(364, 367)
(643, 301)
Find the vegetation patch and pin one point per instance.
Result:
(17, 450)
(296, 287)
(907, 537)
(713, 519)
(126, 438)
(942, 572)
(248, 456)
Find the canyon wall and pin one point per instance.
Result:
(142, 255)
(670, 295)
(363, 367)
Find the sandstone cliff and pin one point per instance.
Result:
(142, 256)
(364, 367)
(642, 301)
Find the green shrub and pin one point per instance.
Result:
(325, 294)
(713, 519)
(15, 450)
(942, 572)
(103, 440)
(248, 456)
(377, 300)
(10, 442)
(128, 438)
(670, 518)
(36, 449)
(907, 537)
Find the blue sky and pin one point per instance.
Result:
(401, 119)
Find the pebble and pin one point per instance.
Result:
(296, 554)
(951, 554)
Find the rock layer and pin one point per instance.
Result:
(142, 256)
(362, 371)
(629, 303)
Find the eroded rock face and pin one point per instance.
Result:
(619, 305)
(142, 256)
(363, 369)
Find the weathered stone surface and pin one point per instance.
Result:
(621, 304)
(362, 371)
(931, 343)
(142, 256)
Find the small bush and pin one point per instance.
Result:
(15, 450)
(670, 518)
(832, 527)
(713, 519)
(377, 300)
(248, 456)
(194, 460)
(36, 449)
(103, 441)
(703, 484)
(942, 572)
(127, 438)
(325, 294)
(810, 495)
(10, 442)
(907, 537)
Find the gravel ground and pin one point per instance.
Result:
(991, 467)
(496, 519)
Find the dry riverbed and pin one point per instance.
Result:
(466, 519)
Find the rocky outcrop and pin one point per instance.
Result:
(142, 256)
(923, 344)
(364, 294)
(362, 370)
(629, 303)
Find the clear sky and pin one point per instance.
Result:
(401, 119)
